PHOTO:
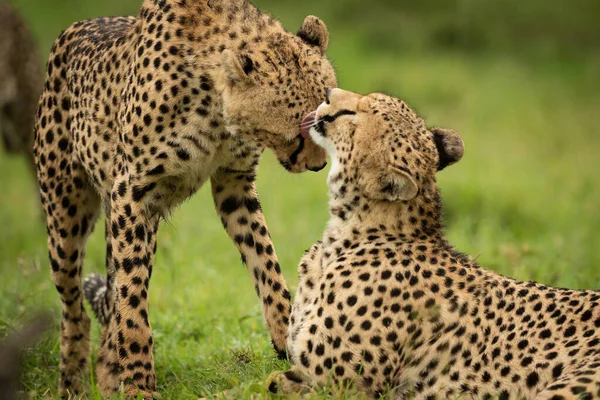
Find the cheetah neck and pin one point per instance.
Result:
(353, 215)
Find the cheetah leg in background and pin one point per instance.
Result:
(100, 293)
(72, 207)
(237, 203)
(108, 369)
(133, 244)
(99, 290)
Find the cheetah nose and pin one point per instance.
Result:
(307, 122)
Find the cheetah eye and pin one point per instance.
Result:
(331, 118)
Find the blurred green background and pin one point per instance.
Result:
(520, 80)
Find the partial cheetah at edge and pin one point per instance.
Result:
(20, 83)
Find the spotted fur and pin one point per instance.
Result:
(386, 304)
(136, 115)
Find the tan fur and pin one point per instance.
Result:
(137, 114)
(387, 305)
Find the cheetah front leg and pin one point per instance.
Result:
(309, 274)
(101, 295)
(291, 381)
(133, 233)
(238, 206)
(310, 271)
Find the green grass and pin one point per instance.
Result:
(524, 200)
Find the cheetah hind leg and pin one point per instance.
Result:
(108, 369)
(291, 381)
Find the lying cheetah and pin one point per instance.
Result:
(386, 303)
(20, 83)
(136, 115)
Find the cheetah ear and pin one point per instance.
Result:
(394, 184)
(450, 146)
(237, 69)
(314, 33)
(399, 185)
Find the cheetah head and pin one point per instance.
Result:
(266, 92)
(380, 148)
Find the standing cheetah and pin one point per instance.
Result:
(20, 83)
(386, 303)
(136, 115)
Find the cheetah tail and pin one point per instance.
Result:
(94, 288)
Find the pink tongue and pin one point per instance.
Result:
(307, 123)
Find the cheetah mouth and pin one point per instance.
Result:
(293, 162)
(308, 122)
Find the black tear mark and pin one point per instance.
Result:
(331, 118)
(295, 154)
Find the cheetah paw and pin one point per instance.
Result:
(291, 381)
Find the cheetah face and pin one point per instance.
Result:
(267, 93)
(379, 147)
